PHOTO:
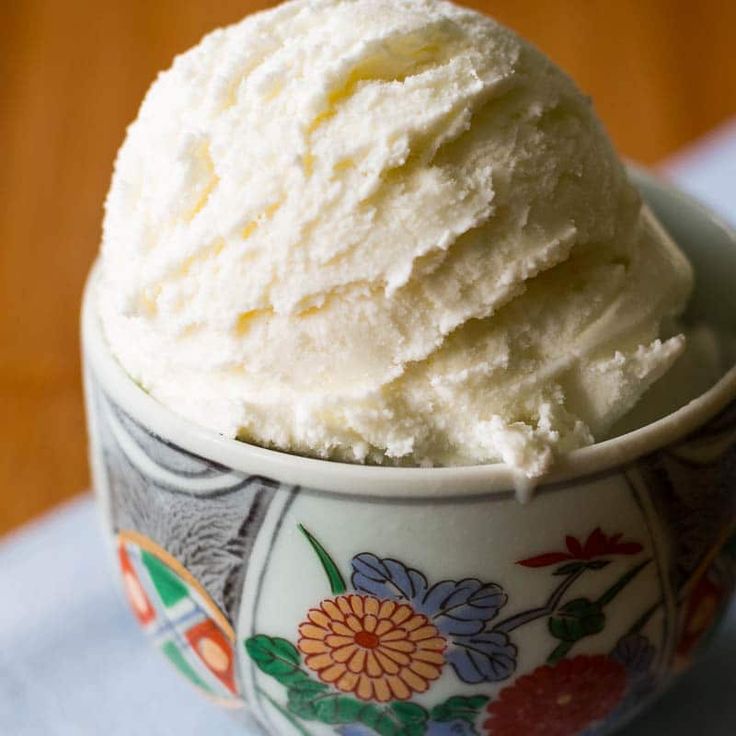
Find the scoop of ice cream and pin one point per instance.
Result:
(387, 231)
(709, 354)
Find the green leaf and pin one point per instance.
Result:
(337, 582)
(318, 704)
(307, 688)
(314, 701)
(598, 564)
(339, 709)
(459, 708)
(380, 721)
(278, 658)
(570, 568)
(409, 713)
(398, 719)
(576, 620)
(263, 648)
(301, 703)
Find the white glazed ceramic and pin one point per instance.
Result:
(325, 598)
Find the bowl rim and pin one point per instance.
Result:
(340, 478)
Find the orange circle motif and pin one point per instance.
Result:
(214, 655)
(379, 650)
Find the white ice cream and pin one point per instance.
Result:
(384, 231)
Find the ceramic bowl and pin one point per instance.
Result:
(323, 598)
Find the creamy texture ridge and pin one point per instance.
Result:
(384, 231)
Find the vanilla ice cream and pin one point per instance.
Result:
(384, 231)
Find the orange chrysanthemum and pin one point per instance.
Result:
(379, 650)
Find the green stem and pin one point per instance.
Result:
(560, 651)
(564, 647)
(521, 619)
(285, 713)
(620, 584)
(643, 620)
(337, 582)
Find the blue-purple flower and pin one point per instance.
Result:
(461, 610)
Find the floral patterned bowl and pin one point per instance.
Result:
(323, 598)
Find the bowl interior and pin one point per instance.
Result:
(709, 245)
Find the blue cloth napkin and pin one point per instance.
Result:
(73, 662)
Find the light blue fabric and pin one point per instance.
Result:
(74, 663)
(708, 170)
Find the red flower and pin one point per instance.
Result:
(701, 611)
(596, 545)
(559, 700)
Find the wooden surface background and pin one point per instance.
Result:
(72, 73)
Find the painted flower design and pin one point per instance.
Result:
(560, 700)
(597, 545)
(461, 610)
(363, 656)
(701, 612)
(379, 650)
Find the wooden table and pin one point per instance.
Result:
(73, 72)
